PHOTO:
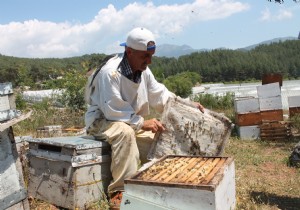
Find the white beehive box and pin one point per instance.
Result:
(294, 101)
(70, 172)
(268, 90)
(7, 103)
(246, 105)
(249, 132)
(182, 182)
(270, 103)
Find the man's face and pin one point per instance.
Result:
(139, 60)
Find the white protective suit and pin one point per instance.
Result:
(116, 109)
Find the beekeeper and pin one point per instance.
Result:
(119, 97)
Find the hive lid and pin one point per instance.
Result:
(183, 172)
(75, 142)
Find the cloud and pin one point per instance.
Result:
(34, 38)
(282, 14)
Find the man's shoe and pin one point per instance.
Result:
(115, 200)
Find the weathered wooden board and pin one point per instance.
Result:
(272, 115)
(7, 124)
(275, 130)
(190, 132)
(9, 114)
(248, 119)
(13, 194)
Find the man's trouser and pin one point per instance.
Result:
(125, 155)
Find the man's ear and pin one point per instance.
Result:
(128, 51)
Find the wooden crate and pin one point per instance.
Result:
(182, 182)
(70, 172)
(275, 130)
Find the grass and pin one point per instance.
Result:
(264, 181)
(263, 178)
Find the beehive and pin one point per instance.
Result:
(190, 132)
(7, 103)
(70, 172)
(183, 182)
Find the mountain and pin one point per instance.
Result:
(168, 50)
(282, 39)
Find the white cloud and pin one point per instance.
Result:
(281, 14)
(34, 38)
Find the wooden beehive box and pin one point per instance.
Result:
(7, 103)
(182, 182)
(190, 132)
(13, 194)
(70, 172)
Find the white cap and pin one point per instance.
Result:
(138, 39)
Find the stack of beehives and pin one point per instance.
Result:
(13, 194)
(254, 116)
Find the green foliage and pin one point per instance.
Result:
(295, 122)
(20, 102)
(73, 85)
(182, 84)
(216, 102)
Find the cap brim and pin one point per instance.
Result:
(123, 44)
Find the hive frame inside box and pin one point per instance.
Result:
(68, 176)
(219, 193)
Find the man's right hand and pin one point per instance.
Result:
(153, 125)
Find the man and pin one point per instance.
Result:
(119, 98)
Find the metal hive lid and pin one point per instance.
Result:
(74, 142)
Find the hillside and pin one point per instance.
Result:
(219, 65)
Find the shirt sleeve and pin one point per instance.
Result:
(157, 92)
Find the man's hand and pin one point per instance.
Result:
(199, 106)
(153, 125)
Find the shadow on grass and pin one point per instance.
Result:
(282, 202)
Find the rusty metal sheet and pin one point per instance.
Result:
(12, 188)
(75, 142)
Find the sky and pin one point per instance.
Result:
(67, 28)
